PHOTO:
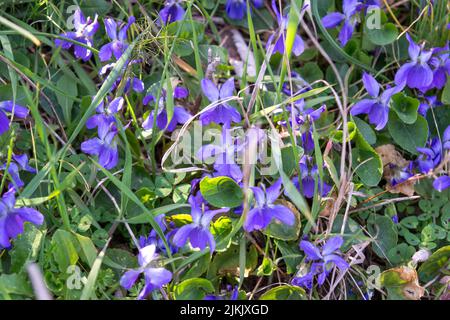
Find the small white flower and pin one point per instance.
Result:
(421, 255)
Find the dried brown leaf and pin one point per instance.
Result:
(392, 160)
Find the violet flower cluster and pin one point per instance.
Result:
(377, 107)
(432, 156)
(105, 145)
(180, 115)
(198, 232)
(266, 210)
(171, 12)
(117, 33)
(222, 113)
(18, 163)
(12, 219)
(84, 32)
(153, 237)
(280, 44)
(155, 276)
(225, 154)
(309, 174)
(237, 9)
(426, 70)
(324, 259)
(16, 111)
(349, 18)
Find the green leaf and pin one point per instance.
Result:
(14, 284)
(411, 238)
(221, 228)
(408, 136)
(67, 85)
(401, 253)
(405, 107)
(187, 30)
(383, 230)
(288, 158)
(401, 284)
(93, 7)
(352, 132)
(438, 119)
(26, 247)
(221, 192)
(311, 72)
(120, 259)
(410, 222)
(198, 268)
(353, 232)
(436, 262)
(88, 251)
(290, 254)
(193, 289)
(266, 268)
(292, 192)
(284, 292)
(385, 35)
(64, 252)
(366, 161)
(445, 98)
(366, 130)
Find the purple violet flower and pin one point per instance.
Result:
(225, 153)
(400, 175)
(395, 219)
(417, 73)
(369, 3)
(104, 146)
(153, 237)
(12, 219)
(222, 113)
(298, 46)
(118, 38)
(309, 173)
(198, 231)
(172, 11)
(300, 116)
(324, 260)
(133, 83)
(430, 156)
(233, 296)
(155, 276)
(376, 108)
(441, 64)
(349, 17)
(18, 163)
(265, 211)
(441, 183)
(446, 139)
(237, 9)
(180, 115)
(105, 116)
(428, 102)
(10, 107)
(84, 31)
